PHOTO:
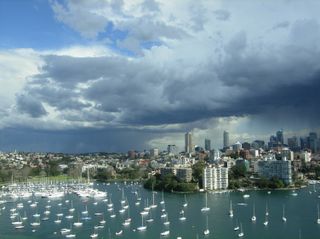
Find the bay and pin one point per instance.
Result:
(300, 211)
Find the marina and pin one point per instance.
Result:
(104, 210)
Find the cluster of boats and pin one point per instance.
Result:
(29, 206)
(26, 209)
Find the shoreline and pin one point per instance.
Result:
(66, 179)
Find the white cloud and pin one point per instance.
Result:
(15, 67)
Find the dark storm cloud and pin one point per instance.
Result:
(281, 25)
(69, 71)
(74, 141)
(222, 15)
(55, 95)
(29, 105)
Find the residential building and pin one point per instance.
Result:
(286, 153)
(172, 149)
(257, 144)
(246, 145)
(275, 168)
(215, 178)
(167, 171)
(154, 152)
(237, 146)
(305, 156)
(184, 174)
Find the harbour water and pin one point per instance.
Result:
(299, 208)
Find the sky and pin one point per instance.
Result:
(116, 75)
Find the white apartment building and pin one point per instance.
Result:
(275, 168)
(215, 178)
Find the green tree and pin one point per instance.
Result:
(238, 171)
(197, 171)
(276, 183)
(317, 171)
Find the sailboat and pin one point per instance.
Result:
(241, 234)
(236, 228)
(71, 236)
(153, 203)
(162, 198)
(85, 212)
(230, 210)
(267, 210)
(318, 219)
(182, 218)
(206, 231)
(94, 235)
(284, 219)
(69, 216)
(266, 222)
(65, 231)
(112, 214)
(165, 233)
(142, 227)
(35, 223)
(128, 220)
(206, 208)
(103, 221)
(147, 208)
(25, 216)
(71, 207)
(126, 204)
(166, 222)
(78, 223)
(150, 219)
(110, 204)
(122, 198)
(18, 224)
(254, 218)
(137, 203)
(58, 220)
(185, 201)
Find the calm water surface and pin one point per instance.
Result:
(300, 211)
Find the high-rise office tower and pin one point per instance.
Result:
(313, 141)
(293, 143)
(188, 142)
(280, 137)
(226, 139)
(304, 142)
(207, 144)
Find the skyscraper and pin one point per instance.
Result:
(293, 143)
(280, 137)
(188, 142)
(207, 144)
(226, 139)
(304, 142)
(313, 141)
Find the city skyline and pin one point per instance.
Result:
(89, 76)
